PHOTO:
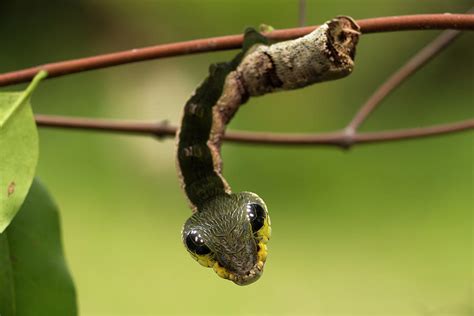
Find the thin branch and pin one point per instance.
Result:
(301, 13)
(158, 129)
(339, 139)
(411, 133)
(400, 76)
(382, 24)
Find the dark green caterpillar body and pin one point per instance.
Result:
(227, 231)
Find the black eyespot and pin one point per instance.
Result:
(195, 243)
(256, 215)
(341, 37)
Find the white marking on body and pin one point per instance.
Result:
(193, 151)
(195, 110)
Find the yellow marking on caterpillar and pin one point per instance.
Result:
(204, 260)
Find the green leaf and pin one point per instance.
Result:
(18, 149)
(34, 279)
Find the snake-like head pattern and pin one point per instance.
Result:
(230, 235)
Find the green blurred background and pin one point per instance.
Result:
(382, 229)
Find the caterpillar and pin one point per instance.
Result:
(230, 231)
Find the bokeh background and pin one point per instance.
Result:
(382, 229)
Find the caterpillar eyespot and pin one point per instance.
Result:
(195, 243)
(256, 215)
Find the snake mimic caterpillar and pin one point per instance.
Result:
(229, 231)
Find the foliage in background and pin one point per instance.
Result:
(34, 279)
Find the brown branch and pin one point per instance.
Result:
(340, 138)
(400, 76)
(395, 80)
(158, 129)
(383, 24)
(411, 133)
(345, 138)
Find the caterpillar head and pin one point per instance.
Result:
(229, 233)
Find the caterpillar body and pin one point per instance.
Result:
(229, 231)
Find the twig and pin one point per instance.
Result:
(344, 139)
(302, 13)
(396, 79)
(340, 138)
(382, 24)
(159, 129)
(400, 76)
